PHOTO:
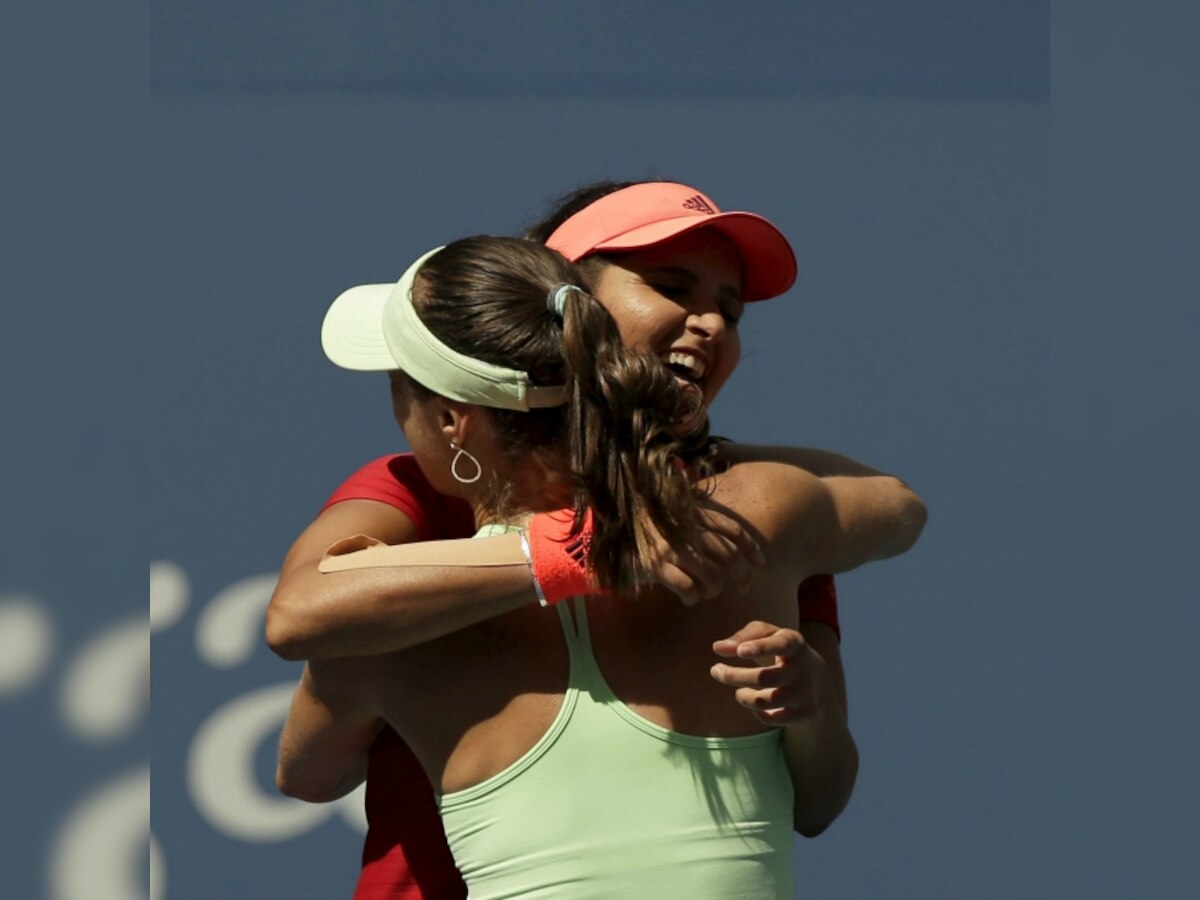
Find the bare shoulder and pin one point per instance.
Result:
(829, 524)
(767, 495)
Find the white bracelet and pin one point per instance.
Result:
(537, 585)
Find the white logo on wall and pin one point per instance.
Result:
(99, 850)
(221, 777)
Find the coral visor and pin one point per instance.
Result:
(646, 214)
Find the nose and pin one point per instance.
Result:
(709, 324)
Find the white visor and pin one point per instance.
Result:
(375, 328)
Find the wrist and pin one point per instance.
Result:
(558, 556)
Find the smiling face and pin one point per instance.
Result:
(680, 300)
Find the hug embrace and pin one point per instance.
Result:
(577, 645)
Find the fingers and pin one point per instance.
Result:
(775, 706)
(784, 715)
(778, 690)
(714, 562)
(722, 549)
(679, 582)
(783, 643)
(706, 571)
(751, 677)
(719, 556)
(751, 634)
(776, 695)
(719, 524)
(696, 577)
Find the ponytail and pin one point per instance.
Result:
(623, 450)
(613, 446)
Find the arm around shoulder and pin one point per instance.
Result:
(827, 525)
(877, 517)
(329, 731)
(789, 685)
(308, 612)
(382, 599)
(822, 463)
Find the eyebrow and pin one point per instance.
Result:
(688, 275)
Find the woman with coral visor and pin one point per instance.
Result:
(674, 271)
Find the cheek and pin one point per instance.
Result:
(648, 323)
(400, 407)
(731, 354)
(646, 319)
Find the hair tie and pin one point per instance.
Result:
(556, 299)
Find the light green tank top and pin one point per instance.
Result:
(609, 805)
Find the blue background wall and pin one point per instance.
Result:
(1016, 680)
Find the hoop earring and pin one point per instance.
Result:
(454, 465)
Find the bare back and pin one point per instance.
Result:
(472, 703)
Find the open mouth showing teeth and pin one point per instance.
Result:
(685, 365)
(688, 369)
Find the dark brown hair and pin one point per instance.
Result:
(612, 441)
(568, 204)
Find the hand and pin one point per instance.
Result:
(780, 682)
(720, 555)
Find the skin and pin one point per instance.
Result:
(682, 295)
(495, 699)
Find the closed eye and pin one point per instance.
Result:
(732, 311)
(674, 291)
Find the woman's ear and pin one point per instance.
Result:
(456, 420)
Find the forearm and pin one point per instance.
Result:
(822, 463)
(325, 742)
(884, 520)
(790, 686)
(823, 760)
(364, 612)
(313, 615)
(825, 642)
(380, 598)
(314, 781)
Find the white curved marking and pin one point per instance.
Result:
(169, 593)
(354, 810)
(230, 628)
(26, 643)
(158, 871)
(221, 775)
(225, 787)
(104, 689)
(98, 852)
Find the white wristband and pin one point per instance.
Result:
(537, 585)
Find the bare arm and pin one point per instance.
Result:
(825, 525)
(379, 609)
(328, 732)
(822, 463)
(794, 680)
(314, 616)
(785, 682)
(840, 513)
(874, 518)
(824, 640)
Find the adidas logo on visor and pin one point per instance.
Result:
(699, 204)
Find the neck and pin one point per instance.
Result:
(514, 499)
